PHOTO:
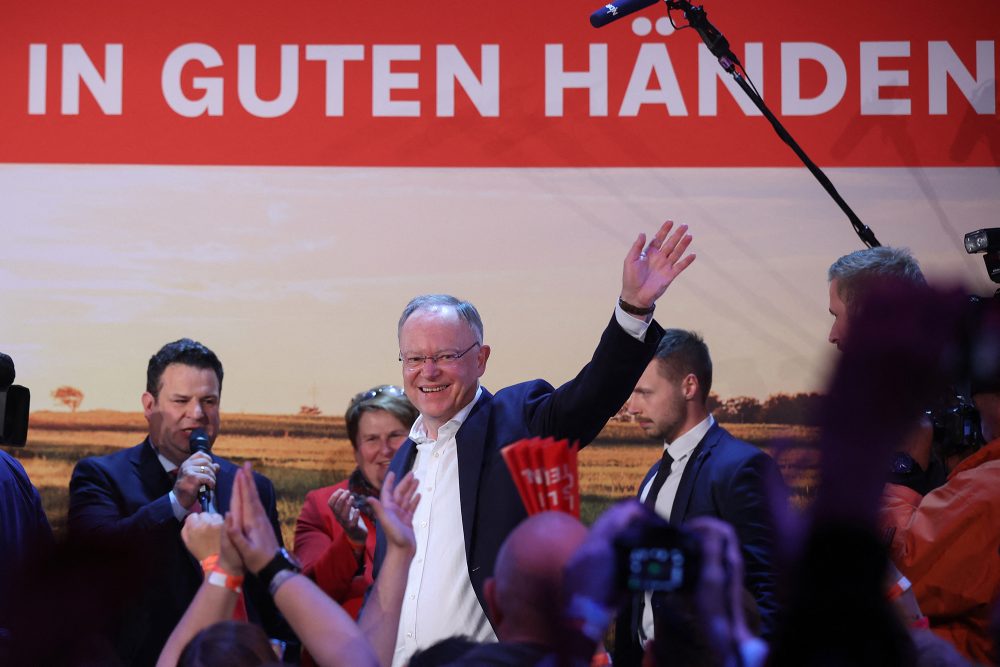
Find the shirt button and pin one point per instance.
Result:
(409, 634)
(412, 596)
(423, 524)
(437, 454)
(429, 489)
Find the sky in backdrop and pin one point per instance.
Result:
(296, 276)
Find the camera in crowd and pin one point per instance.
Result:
(654, 556)
(976, 358)
(14, 403)
(956, 428)
(986, 241)
(975, 368)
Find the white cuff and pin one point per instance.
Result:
(180, 512)
(632, 325)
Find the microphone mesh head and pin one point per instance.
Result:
(199, 441)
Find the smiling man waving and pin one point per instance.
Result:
(469, 503)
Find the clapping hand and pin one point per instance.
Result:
(247, 524)
(202, 534)
(394, 510)
(347, 515)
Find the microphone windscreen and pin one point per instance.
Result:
(616, 10)
(199, 441)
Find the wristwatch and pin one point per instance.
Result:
(279, 569)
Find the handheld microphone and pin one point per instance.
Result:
(618, 9)
(200, 442)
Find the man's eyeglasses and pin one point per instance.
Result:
(381, 390)
(413, 362)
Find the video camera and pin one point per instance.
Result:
(986, 241)
(956, 421)
(14, 403)
(956, 428)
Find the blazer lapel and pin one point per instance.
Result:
(701, 453)
(409, 456)
(471, 442)
(645, 480)
(149, 472)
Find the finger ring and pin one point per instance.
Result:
(203, 469)
(642, 255)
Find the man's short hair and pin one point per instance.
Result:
(184, 351)
(464, 309)
(856, 271)
(682, 352)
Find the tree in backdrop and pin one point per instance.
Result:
(791, 408)
(713, 403)
(71, 397)
(742, 409)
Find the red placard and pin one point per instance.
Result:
(545, 473)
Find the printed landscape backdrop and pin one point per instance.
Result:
(278, 179)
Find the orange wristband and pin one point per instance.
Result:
(209, 563)
(216, 576)
(223, 579)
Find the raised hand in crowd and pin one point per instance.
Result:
(326, 630)
(894, 362)
(713, 628)
(394, 513)
(893, 365)
(205, 537)
(719, 595)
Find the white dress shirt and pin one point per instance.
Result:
(680, 451)
(439, 601)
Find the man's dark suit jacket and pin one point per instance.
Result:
(119, 504)
(728, 479)
(577, 411)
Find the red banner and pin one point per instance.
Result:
(494, 84)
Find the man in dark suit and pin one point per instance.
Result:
(135, 501)
(704, 471)
(469, 503)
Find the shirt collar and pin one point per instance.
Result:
(167, 464)
(686, 443)
(418, 432)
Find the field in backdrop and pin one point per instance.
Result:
(302, 453)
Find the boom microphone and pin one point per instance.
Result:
(200, 442)
(616, 10)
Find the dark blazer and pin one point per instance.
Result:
(577, 411)
(728, 479)
(118, 504)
